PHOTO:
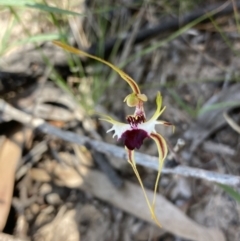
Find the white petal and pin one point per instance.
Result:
(148, 126)
(119, 129)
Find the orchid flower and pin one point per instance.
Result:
(137, 127)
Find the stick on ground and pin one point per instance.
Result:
(11, 113)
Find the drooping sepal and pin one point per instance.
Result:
(162, 153)
(131, 161)
(161, 145)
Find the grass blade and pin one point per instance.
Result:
(33, 4)
(231, 192)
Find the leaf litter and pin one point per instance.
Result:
(48, 202)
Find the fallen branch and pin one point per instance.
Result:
(11, 113)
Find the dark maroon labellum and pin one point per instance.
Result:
(134, 138)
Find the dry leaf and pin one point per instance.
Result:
(10, 154)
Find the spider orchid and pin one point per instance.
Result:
(137, 127)
(133, 134)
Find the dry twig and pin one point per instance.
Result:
(9, 112)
